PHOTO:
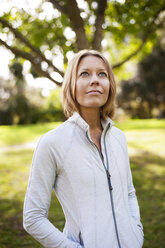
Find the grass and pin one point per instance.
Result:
(14, 173)
(12, 135)
(146, 147)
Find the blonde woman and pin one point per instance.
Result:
(85, 160)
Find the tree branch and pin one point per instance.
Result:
(59, 6)
(128, 57)
(151, 29)
(98, 35)
(77, 24)
(37, 51)
(36, 61)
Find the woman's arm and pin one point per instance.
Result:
(38, 198)
(132, 199)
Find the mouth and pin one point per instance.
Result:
(94, 92)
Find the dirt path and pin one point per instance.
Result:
(29, 145)
(32, 145)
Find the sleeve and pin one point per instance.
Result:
(38, 198)
(132, 199)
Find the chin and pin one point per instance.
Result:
(94, 105)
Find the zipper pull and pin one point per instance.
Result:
(109, 179)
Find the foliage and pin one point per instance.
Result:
(16, 106)
(17, 68)
(49, 34)
(21, 104)
(144, 95)
(128, 27)
(146, 148)
(53, 107)
(53, 100)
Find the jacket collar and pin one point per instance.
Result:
(77, 119)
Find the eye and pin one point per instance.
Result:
(84, 74)
(102, 74)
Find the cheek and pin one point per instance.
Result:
(79, 90)
(107, 89)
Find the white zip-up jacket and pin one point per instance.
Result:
(95, 190)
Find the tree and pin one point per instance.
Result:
(128, 26)
(19, 104)
(144, 94)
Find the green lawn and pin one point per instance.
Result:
(146, 140)
(12, 135)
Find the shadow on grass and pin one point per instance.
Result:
(12, 233)
(149, 172)
(146, 158)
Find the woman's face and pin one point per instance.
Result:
(92, 85)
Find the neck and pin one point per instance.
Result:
(92, 117)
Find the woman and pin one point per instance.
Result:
(86, 161)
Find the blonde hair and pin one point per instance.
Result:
(68, 96)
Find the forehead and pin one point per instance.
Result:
(92, 61)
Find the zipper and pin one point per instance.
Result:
(81, 240)
(111, 195)
(109, 181)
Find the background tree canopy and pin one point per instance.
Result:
(48, 35)
(121, 28)
(144, 95)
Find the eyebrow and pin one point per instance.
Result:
(99, 69)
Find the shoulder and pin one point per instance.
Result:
(119, 136)
(57, 136)
(118, 132)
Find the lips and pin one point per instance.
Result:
(94, 92)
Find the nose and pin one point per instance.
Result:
(94, 79)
